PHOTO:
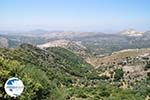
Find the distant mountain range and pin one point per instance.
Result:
(77, 65)
(96, 43)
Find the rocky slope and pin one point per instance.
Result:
(74, 46)
(132, 62)
(4, 42)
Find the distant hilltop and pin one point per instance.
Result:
(131, 32)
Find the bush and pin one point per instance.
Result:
(118, 74)
(147, 66)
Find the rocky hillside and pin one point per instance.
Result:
(131, 62)
(74, 46)
(4, 42)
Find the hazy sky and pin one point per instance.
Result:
(76, 15)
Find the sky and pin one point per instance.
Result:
(75, 15)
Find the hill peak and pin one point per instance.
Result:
(131, 32)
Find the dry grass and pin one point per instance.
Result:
(117, 56)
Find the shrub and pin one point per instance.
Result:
(118, 74)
